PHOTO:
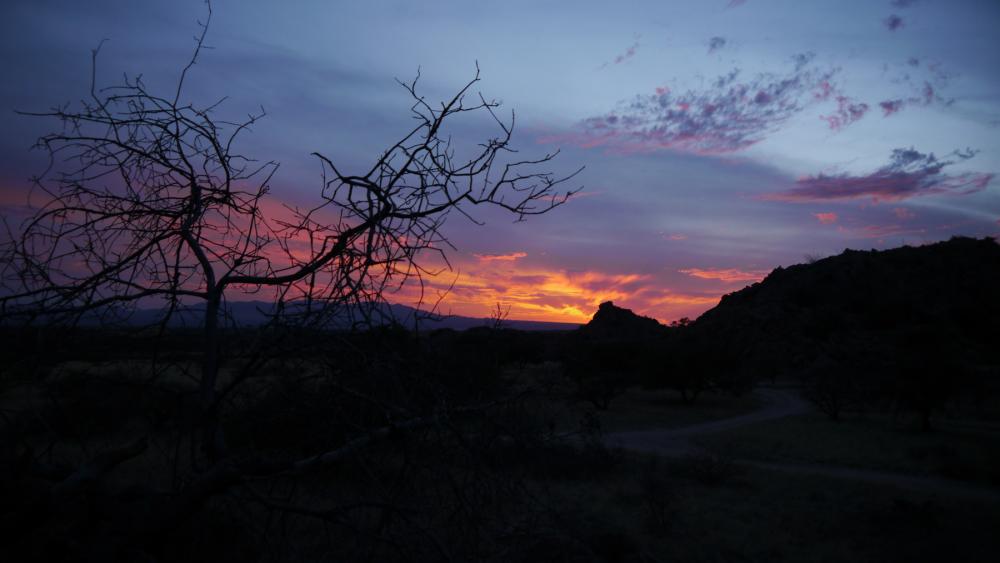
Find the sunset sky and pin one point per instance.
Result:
(721, 138)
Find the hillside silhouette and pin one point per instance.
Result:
(908, 329)
(617, 323)
(912, 329)
(948, 288)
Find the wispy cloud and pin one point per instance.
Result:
(893, 22)
(880, 231)
(802, 59)
(500, 257)
(728, 116)
(826, 218)
(890, 107)
(716, 43)
(903, 3)
(909, 174)
(728, 275)
(903, 213)
(928, 95)
(625, 55)
(848, 111)
(628, 54)
(924, 80)
(735, 3)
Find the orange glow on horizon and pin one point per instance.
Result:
(535, 293)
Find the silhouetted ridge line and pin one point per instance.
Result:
(612, 322)
(862, 302)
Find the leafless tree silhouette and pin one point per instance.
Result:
(148, 202)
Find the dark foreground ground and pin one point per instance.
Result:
(757, 477)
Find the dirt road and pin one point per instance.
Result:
(779, 403)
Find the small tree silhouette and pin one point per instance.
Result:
(148, 202)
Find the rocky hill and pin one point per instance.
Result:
(611, 322)
(866, 299)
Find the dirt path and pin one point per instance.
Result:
(779, 403)
(935, 485)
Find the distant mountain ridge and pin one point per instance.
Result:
(256, 313)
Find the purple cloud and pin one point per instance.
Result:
(716, 43)
(909, 174)
(919, 74)
(938, 73)
(893, 22)
(928, 95)
(848, 111)
(890, 107)
(802, 59)
(628, 54)
(728, 116)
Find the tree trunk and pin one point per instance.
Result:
(212, 438)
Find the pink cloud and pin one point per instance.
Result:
(928, 95)
(903, 213)
(728, 275)
(890, 107)
(848, 112)
(909, 174)
(823, 91)
(826, 218)
(500, 257)
(628, 54)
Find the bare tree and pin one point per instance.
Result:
(498, 316)
(148, 202)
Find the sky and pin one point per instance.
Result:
(720, 138)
